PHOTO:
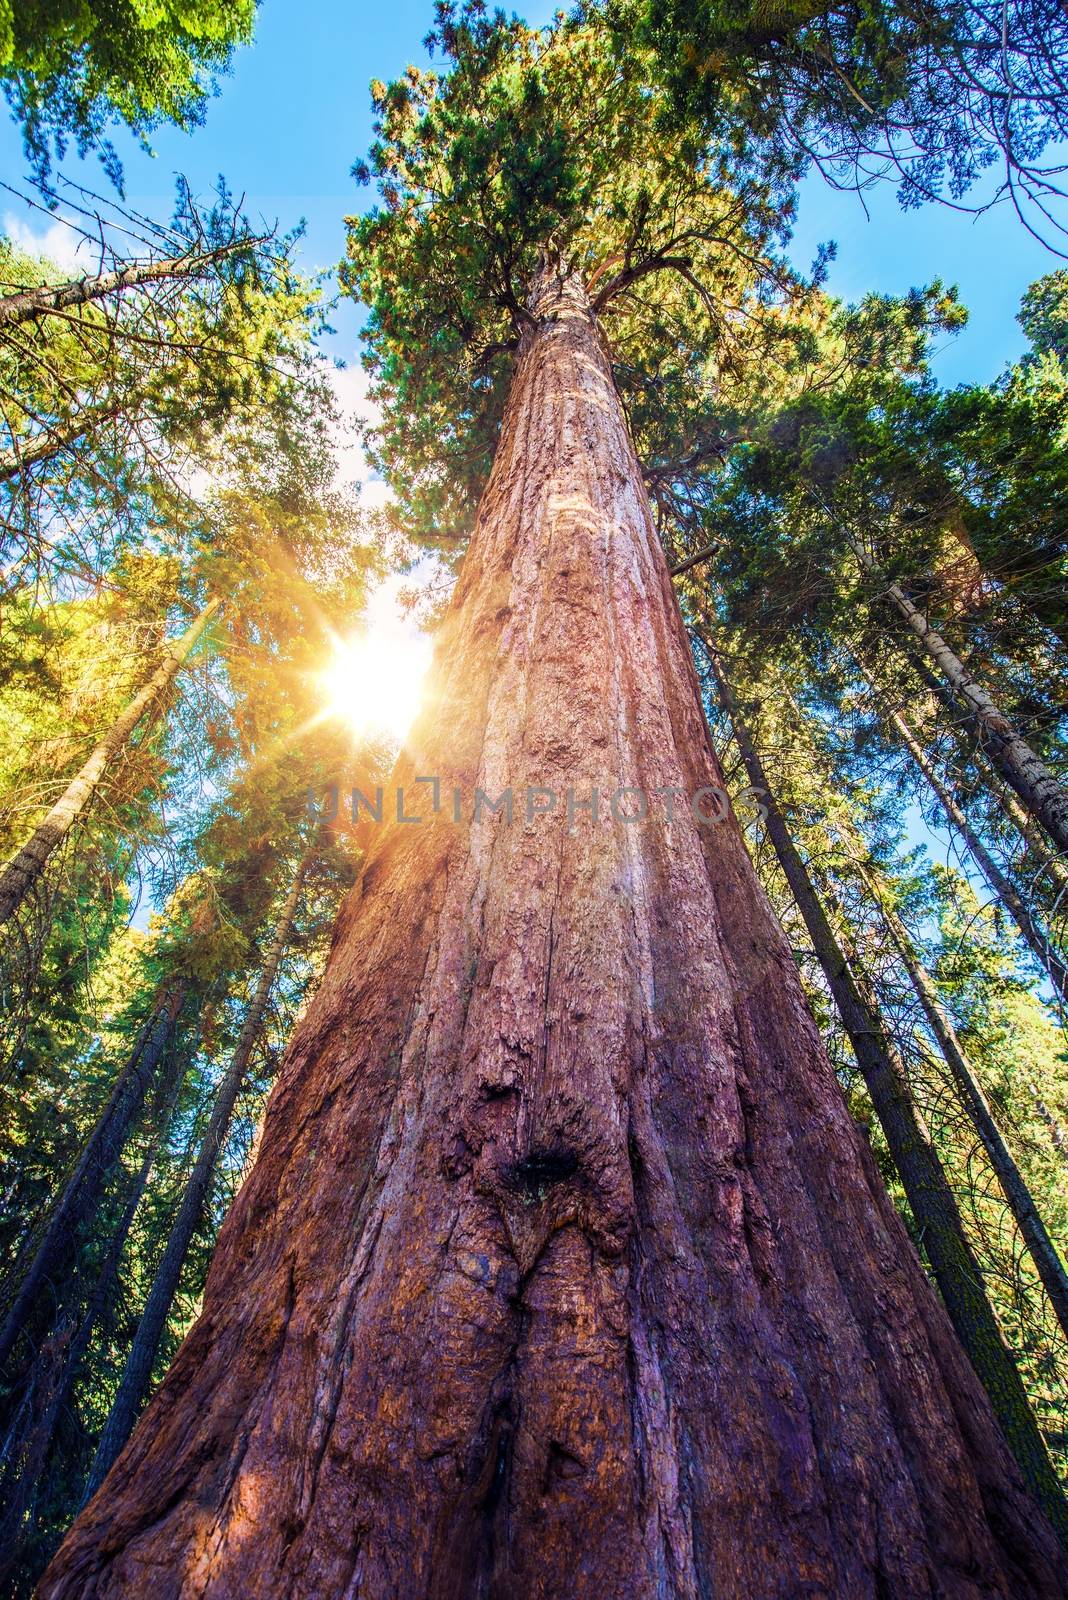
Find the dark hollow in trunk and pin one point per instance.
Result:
(563, 1270)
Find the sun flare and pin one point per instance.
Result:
(375, 681)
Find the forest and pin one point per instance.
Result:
(558, 1089)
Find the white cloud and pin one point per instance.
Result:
(385, 610)
(375, 493)
(396, 605)
(350, 385)
(57, 241)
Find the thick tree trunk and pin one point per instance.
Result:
(24, 869)
(1018, 1196)
(923, 1178)
(563, 1270)
(137, 1372)
(1041, 793)
(82, 1191)
(1006, 892)
(28, 303)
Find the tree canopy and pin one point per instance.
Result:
(936, 97)
(72, 68)
(871, 568)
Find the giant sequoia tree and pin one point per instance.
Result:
(563, 1268)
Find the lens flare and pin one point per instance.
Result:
(375, 682)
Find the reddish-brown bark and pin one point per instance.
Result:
(563, 1271)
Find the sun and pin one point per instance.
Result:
(375, 681)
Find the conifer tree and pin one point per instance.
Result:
(926, 1188)
(202, 945)
(934, 97)
(69, 72)
(145, 1348)
(19, 876)
(557, 1185)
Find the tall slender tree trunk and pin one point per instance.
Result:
(563, 1270)
(46, 1389)
(82, 1191)
(1020, 1200)
(1007, 893)
(137, 1373)
(1038, 788)
(1051, 866)
(927, 1189)
(24, 870)
(28, 303)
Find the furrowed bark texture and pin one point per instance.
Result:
(563, 1271)
(931, 1200)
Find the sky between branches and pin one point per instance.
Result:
(295, 114)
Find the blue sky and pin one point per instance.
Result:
(294, 115)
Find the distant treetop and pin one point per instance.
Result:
(934, 95)
(71, 68)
